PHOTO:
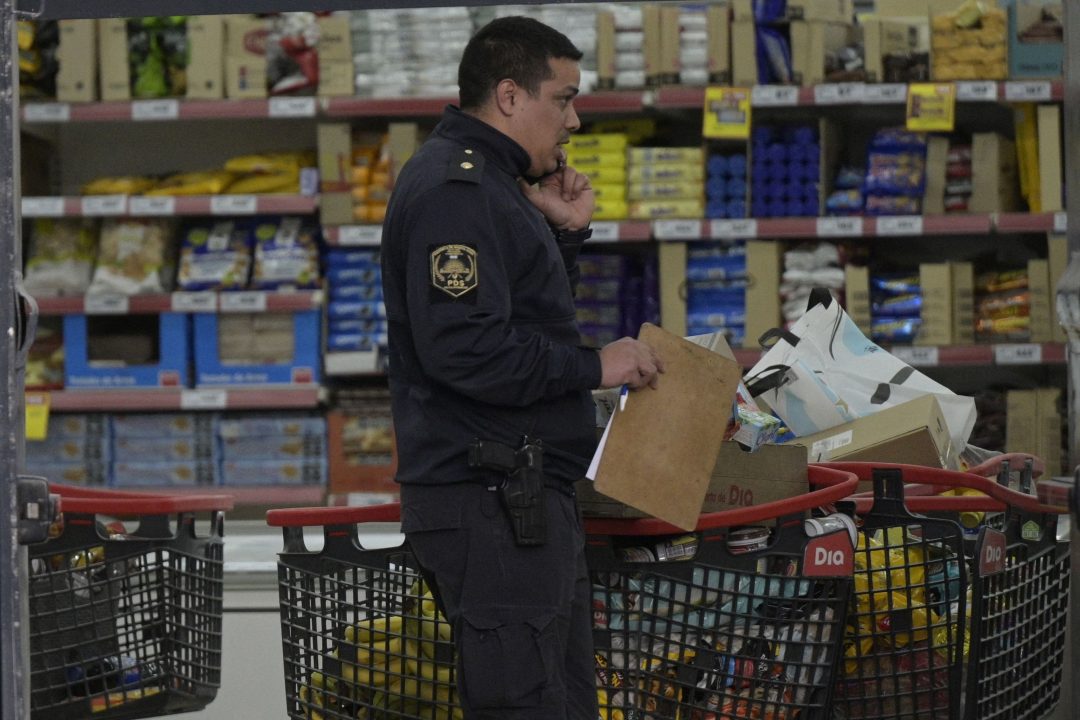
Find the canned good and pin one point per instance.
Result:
(747, 539)
(831, 523)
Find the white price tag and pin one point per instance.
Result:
(677, 229)
(900, 225)
(105, 304)
(152, 206)
(605, 232)
(43, 207)
(1061, 222)
(203, 399)
(194, 302)
(168, 109)
(839, 227)
(1018, 91)
(774, 96)
(47, 112)
(353, 235)
(1018, 354)
(983, 91)
(99, 205)
(839, 93)
(733, 229)
(885, 93)
(287, 107)
(917, 356)
(233, 204)
(244, 302)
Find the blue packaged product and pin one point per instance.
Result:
(811, 171)
(349, 327)
(707, 251)
(338, 257)
(717, 165)
(777, 153)
(359, 342)
(716, 317)
(274, 447)
(907, 305)
(761, 169)
(359, 309)
(777, 208)
(716, 210)
(773, 56)
(794, 209)
(736, 166)
(844, 202)
(291, 425)
(704, 295)
(736, 209)
(762, 134)
(778, 172)
(895, 284)
(286, 254)
(794, 191)
(761, 190)
(724, 268)
(716, 187)
(848, 178)
(736, 188)
(890, 330)
(760, 206)
(215, 256)
(342, 275)
(360, 291)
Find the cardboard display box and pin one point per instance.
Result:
(857, 296)
(895, 38)
(362, 453)
(336, 74)
(128, 356)
(994, 174)
(76, 77)
(1050, 166)
(718, 19)
(914, 433)
(1042, 304)
(1057, 253)
(245, 56)
(1036, 47)
(216, 349)
(1033, 425)
(744, 71)
(764, 268)
(936, 328)
(203, 73)
(963, 288)
(811, 43)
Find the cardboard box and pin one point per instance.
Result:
(605, 50)
(994, 174)
(937, 158)
(672, 260)
(963, 282)
(245, 56)
(936, 328)
(904, 8)
(212, 368)
(336, 73)
(1033, 425)
(1042, 304)
(334, 141)
(1036, 51)
(92, 360)
(857, 296)
(1057, 253)
(914, 433)
(820, 10)
(764, 268)
(362, 453)
(718, 29)
(668, 70)
(206, 63)
(811, 42)
(1050, 152)
(740, 479)
(883, 36)
(114, 69)
(76, 78)
(744, 71)
(653, 43)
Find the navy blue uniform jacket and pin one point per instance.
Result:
(483, 339)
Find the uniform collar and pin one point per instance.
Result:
(496, 147)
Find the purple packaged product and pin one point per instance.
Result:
(599, 335)
(599, 313)
(760, 169)
(760, 207)
(762, 134)
(776, 153)
(598, 289)
(795, 209)
(811, 171)
(793, 191)
(909, 305)
(596, 265)
(337, 257)
(343, 275)
(349, 293)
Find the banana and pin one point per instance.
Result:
(375, 665)
(279, 182)
(373, 630)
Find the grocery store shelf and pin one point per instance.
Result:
(167, 206)
(169, 109)
(190, 302)
(1030, 222)
(1001, 354)
(247, 398)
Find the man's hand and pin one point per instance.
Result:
(565, 197)
(629, 362)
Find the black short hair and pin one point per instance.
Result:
(516, 47)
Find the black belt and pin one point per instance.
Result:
(561, 486)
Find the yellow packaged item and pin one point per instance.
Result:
(666, 155)
(610, 210)
(212, 182)
(282, 182)
(598, 142)
(360, 175)
(270, 163)
(588, 159)
(665, 209)
(636, 130)
(609, 191)
(606, 175)
(665, 172)
(129, 185)
(665, 191)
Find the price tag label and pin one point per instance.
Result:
(983, 91)
(233, 204)
(1018, 354)
(168, 109)
(101, 205)
(733, 229)
(47, 112)
(243, 302)
(839, 93)
(839, 227)
(105, 304)
(1016, 91)
(194, 302)
(605, 232)
(353, 235)
(774, 96)
(900, 225)
(152, 206)
(885, 93)
(931, 107)
(726, 113)
(289, 107)
(1061, 222)
(677, 230)
(43, 207)
(203, 399)
(37, 415)
(917, 356)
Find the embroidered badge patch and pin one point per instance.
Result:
(453, 269)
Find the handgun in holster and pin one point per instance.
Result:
(522, 492)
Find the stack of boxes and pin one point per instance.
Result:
(969, 44)
(602, 157)
(361, 456)
(620, 46)
(370, 179)
(164, 449)
(356, 313)
(895, 180)
(401, 53)
(726, 187)
(77, 451)
(693, 44)
(665, 182)
(786, 171)
(716, 281)
(272, 449)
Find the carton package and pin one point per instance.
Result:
(254, 426)
(812, 42)
(1042, 316)
(206, 61)
(937, 157)
(963, 283)
(718, 20)
(336, 70)
(273, 472)
(163, 71)
(605, 50)
(810, 10)
(184, 473)
(994, 174)
(857, 296)
(245, 56)
(361, 452)
(1057, 253)
(744, 70)
(968, 45)
(935, 280)
(1050, 151)
(764, 268)
(146, 449)
(76, 78)
(152, 425)
(273, 447)
(653, 43)
(1036, 34)
(1033, 425)
(896, 49)
(913, 432)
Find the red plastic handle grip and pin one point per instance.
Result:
(834, 485)
(928, 476)
(119, 502)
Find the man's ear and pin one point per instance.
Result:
(507, 94)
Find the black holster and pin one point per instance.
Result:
(522, 490)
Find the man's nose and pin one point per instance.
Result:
(573, 122)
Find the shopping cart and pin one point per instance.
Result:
(982, 599)
(759, 631)
(125, 605)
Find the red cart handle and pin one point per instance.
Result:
(999, 497)
(77, 499)
(835, 485)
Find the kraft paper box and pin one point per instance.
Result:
(913, 432)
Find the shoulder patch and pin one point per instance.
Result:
(466, 165)
(453, 272)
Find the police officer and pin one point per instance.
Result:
(480, 248)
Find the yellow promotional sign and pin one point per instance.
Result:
(727, 113)
(37, 416)
(931, 107)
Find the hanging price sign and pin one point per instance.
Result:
(727, 113)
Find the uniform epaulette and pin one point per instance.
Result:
(466, 165)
